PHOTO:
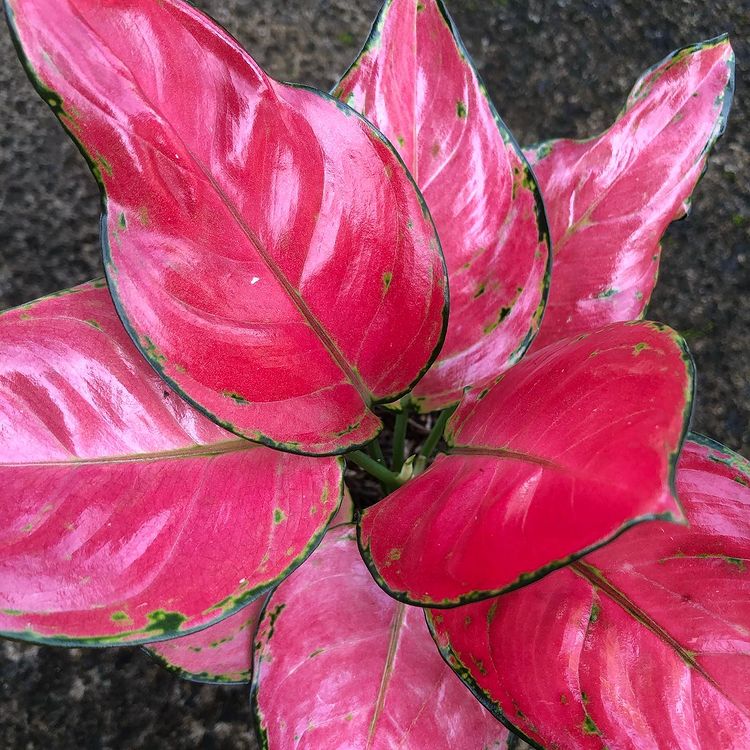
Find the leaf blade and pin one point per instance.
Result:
(529, 462)
(610, 198)
(415, 80)
(376, 669)
(118, 495)
(239, 231)
(677, 595)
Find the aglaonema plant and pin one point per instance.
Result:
(279, 264)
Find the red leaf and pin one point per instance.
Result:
(415, 80)
(610, 199)
(378, 679)
(221, 653)
(643, 644)
(567, 449)
(127, 516)
(268, 252)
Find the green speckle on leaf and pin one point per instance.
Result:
(348, 717)
(316, 652)
(151, 351)
(235, 397)
(120, 616)
(143, 216)
(278, 515)
(94, 324)
(738, 562)
(589, 727)
(122, 221)
(461, 109)
(479, 664)
(165, 622)
(273, 615)
(595, 609)
(27, 527)
(606, 293)
(104, 164)
(640, 347)
(420, 7)
(480, 290)
(393, 554)
(387, 278)
(501, 316)
(491, 613)
(400, 140)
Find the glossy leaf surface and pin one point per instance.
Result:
(567, 449)
(415, 81)
(643, 644)
(610, 199)
(379, 680)
(266, 248)
(221, 653)
(127, 515)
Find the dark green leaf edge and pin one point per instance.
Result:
(205, 678)
(165, 625)
(464, 674)
(530, 577)
(371, 43)
(55, 102)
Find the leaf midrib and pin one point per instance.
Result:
(296, 298)
(598, 580)
(395, 632)
(194, 451)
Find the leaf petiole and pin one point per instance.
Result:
(374, 468)
(430, 445)
(399, 438)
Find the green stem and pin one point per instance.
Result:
(376, 451)
(399, 439)
(428, 449)
(387, 478)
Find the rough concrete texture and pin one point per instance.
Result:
(554, 68)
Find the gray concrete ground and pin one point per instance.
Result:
(554, 68)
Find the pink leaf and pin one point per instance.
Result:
(643, 644)
(267, 251)
(610, 199)
(221, 653)
(565, 451)
(338, 663)
(415, 80)
(127, 515)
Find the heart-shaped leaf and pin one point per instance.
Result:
(415, 80)
(127, 515)
(610, 199)
(266, 248)
(221, 653)
(643, 644)
(379, 681)
(569, 447)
